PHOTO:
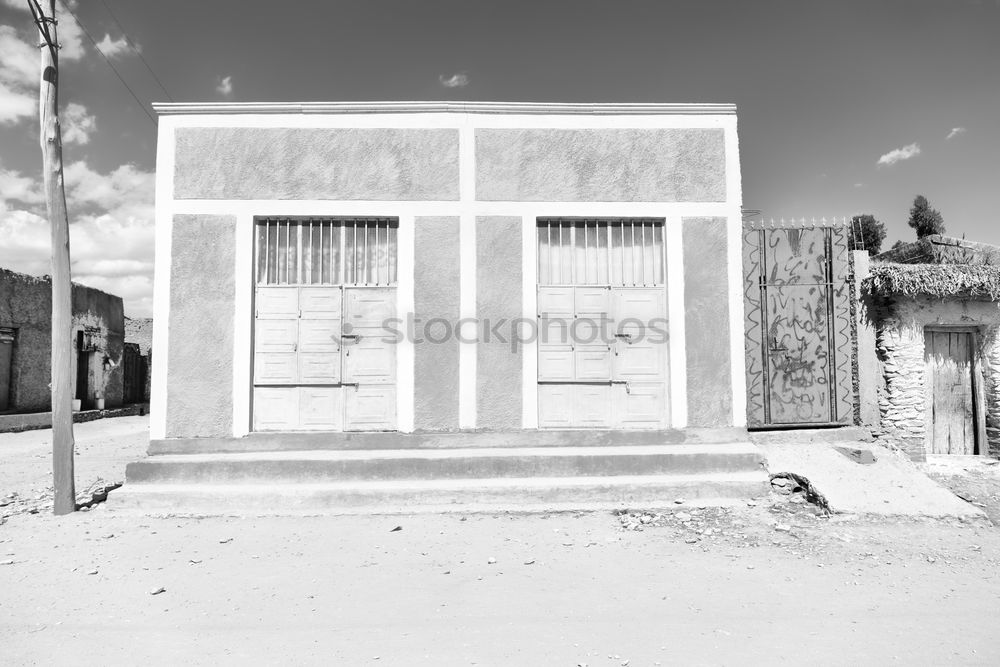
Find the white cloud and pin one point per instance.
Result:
(225, 86)
(77, 124)
(859, 185)
(111, 230)
(113, 48)
(955, 131)
(19, 69)
(16, 104)
(899, 154)
(454, 81)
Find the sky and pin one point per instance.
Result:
(845, 106)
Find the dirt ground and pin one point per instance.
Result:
(772, 582)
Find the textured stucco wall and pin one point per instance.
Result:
(900, 346)
(26, 305)
(498, 296)
(436, 295)
(202, 310)
(669, 165)
(316, 163)
(706, 322)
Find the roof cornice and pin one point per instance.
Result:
(183, 108)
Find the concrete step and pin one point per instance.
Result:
(309, 441)
(315, 467)
(538, 494)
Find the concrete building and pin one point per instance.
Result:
(25, 344)
(444, 276)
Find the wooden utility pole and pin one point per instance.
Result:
(50, 138)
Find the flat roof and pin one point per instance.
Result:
(191, 108)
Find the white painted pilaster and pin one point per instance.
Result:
(673, 242)
(243, 324)
(467, 361)
(405, 306)
(529, 301)
(161, 278)
(734, 195)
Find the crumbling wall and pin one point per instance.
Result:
(902, 395)
(26, 306)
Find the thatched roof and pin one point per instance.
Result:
(940, 280)
(939, 249)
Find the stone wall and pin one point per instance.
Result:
(26, 307)
(901, 322)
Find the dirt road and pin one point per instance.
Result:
(563, 590)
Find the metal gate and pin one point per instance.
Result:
(798, 326)
(322, 357)
(602, 359)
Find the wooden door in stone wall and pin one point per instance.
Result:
(798, 326)
(951, 397)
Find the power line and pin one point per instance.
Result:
(136, 50)
(141, 104)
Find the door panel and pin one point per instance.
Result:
(641, 360)
(321, 408)
(641, 405)
(319, 368)
(798, 355)
(320, 303)
(319, 336)
(592, 405)
(593, 362)
(555, 362)
(275, 408)
(592, 302)
(555, 301)
(275, 368)
(369, 359)
(276, 335)
(555, 406)
(277, 303)
(368, 307)
(370, 408)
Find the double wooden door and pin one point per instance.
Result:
(323, 359)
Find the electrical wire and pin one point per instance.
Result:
(141, 104)
(135, 50)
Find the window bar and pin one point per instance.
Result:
(342, 242)
(642, 253)
(267, 252)
(622, 278)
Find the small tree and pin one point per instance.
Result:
(897, 244)
(924, 219)
(866, 232)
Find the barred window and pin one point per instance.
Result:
(616, 252)
(327, 251)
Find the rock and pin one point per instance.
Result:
(396, 529)
(530, 562)
(225, 540)
(92, 572)
(491, 560)
(678, 501)
(157, 591)
(683, 516)
(9, 561)
(783, 527)
(691, 540)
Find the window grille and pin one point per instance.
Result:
(622, 252)
(327, 251)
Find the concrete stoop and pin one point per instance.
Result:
(460, 479)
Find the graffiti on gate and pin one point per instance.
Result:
(797, 326)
